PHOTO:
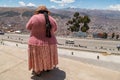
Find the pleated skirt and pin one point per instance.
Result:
(42, 58)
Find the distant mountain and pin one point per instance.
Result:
(101, 20)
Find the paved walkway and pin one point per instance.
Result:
(13, 66)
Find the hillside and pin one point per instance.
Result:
(101, 20)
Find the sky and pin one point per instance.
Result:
(86, 4)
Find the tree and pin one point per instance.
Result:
(75, 23)
(105, 35)
(117, 36)
(113, 35)
(85, 27)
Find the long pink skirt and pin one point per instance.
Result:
(42, 58)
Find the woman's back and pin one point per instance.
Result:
(37, 26)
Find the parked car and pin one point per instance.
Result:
(2, 33)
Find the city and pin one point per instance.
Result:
(87, 40)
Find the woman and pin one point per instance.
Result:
(42, 51)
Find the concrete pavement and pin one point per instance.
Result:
(13, 66)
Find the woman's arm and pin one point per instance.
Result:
(30, 23)
(55, 24)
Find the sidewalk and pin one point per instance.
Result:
(13, 66)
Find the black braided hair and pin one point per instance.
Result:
(48, 24)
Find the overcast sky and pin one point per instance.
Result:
(87, 4)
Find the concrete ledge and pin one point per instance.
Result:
(15, 67)
(67, 47)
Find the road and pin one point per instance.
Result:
(108, 46)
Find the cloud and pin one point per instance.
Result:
(114, 7)
(22, 3)
(30, 4)
(53, 7)
(62, 2)
(4, 5)
(73, 7)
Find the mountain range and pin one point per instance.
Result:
(101, 20)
